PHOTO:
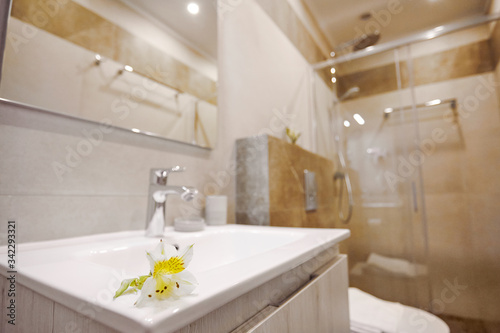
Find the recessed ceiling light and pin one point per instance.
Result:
(334, 79)
(388, 110)
(433, 102)
(193, 8)
(332, 70)
(332, 54)
(128, 68)
(347, 123)
(358, 119)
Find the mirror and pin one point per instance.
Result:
(146, 66)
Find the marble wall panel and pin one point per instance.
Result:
(467, 60)
(270, 184)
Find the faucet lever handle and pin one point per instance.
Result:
(159, 176)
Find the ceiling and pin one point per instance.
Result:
(341, 22)
(197, 31)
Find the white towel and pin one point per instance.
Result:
(397, 266)
(370, 314)
(360, 328)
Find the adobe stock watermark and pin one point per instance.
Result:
(407, 166)
(120, 108)
(449, 294)
(91, 309)
(40, 15)
(380, 19)
(294, 279)
(377, 20)
(471, 103)
(227, 6)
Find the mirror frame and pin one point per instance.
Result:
(4, 19)
(5, 10)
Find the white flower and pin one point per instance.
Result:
(168, 277)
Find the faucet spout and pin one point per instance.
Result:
(158, 192)
(187, 193)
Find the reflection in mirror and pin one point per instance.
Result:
(113, 61)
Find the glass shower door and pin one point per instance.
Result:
(375, 133)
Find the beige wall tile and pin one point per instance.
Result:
(448, 223)
(285, 18)
(443, 172)
(482, 165)
(77, 24)
(485, 226)
(41, 218)
(462, 61)
(495, 44)
(287, 163)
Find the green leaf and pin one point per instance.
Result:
(124, 286)
(140, 281)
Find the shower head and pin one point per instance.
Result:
(349, 93)
(359, 43)
(366, 41)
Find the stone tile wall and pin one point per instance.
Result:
(270, 184)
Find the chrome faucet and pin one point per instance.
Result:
(157, 195)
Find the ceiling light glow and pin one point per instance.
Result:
(433, 102)
(193, 8)
(334, 79)
(347, 123)
(431, 34)
(332, 54)
(388, 110)
(359, 119)
(333, 70)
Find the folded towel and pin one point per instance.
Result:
(372, 315)
(359, 328)
(397, 266)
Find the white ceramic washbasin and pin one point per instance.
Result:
(228, 261)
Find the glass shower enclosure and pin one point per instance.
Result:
(418, 128)
(375, 134)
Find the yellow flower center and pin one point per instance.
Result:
(164, 288)
(173, 265)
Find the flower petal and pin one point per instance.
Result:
(169, 251)
(185, 283)
(147, 292)
(187, 255)
(155, 255)
(164, 287)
